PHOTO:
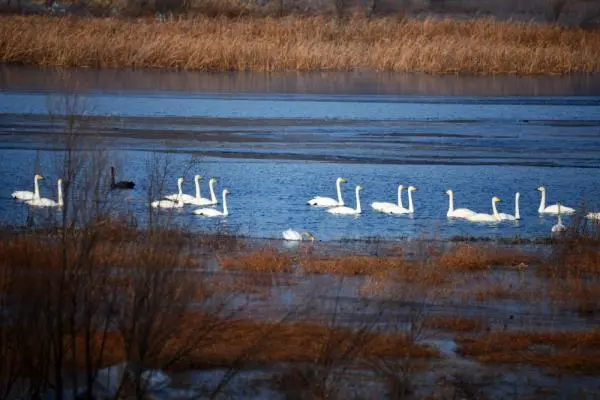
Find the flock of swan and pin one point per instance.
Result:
(331, 205)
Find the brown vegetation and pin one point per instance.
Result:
(562, 351)
(301, 43)
(350, 265)
(468, 257)
(455, 324)
(263, 260)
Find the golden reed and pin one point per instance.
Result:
(301, 43)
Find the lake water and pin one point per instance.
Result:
(277, 140)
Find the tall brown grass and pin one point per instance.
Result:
(302, 43)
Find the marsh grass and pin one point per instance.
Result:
(475, 257)
(261, 260)
(455, 324)
(557, 351)
(301, 43)
(350, 265)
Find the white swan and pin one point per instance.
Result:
(342, 210)
(211, 212)
(27, 195)
(458, 212)
(179, 196)
(553, 209)
(203, 201)
(593, 215)
(401, 210)
(382, 206)
(320, 201)
(481, 217)
(44, 202)
(559, 227)
(291, 234)
(167, 204)
(508, 217)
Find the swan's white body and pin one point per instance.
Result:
(559, 227)
(167, 204)
(320, 201)
(342, 210)
(458, 212)
(481, 217)
(382, 206)
(179, 196)
(44, 202)
(553, 209)
(401, 210)
(508, 217)
(27, 195)
(593, 215)
(211, 212)
(203, 201)
(291, 234)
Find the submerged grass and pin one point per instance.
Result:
(302, 43)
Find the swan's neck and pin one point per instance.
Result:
(358, 210)
(494, 210)
(400, 188)
(410, 202)
(517, 213)
(213, 197)
(179, 189)
(450, 202)
(36, 189)
(339, 193)
(198, 194)
(60, 195)
(542, 201)
(225, 211)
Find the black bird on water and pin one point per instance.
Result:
(120, 184)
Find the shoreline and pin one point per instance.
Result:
(302, 43)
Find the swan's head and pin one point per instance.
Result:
(212, 181)
(309, 236)
(179, 181)
(341, 180)
(496, 199)
(359, 188)
(38, 177)
(400, 187)
(411, 188)
(449, 192)
(541, 189)
(517, 195)
(197, 178)
(225, 192)
(60, 181)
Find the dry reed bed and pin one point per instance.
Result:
(302, 44)
(455, 324)
(562, 351)
(230, 342)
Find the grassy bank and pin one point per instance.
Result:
(302, 43)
